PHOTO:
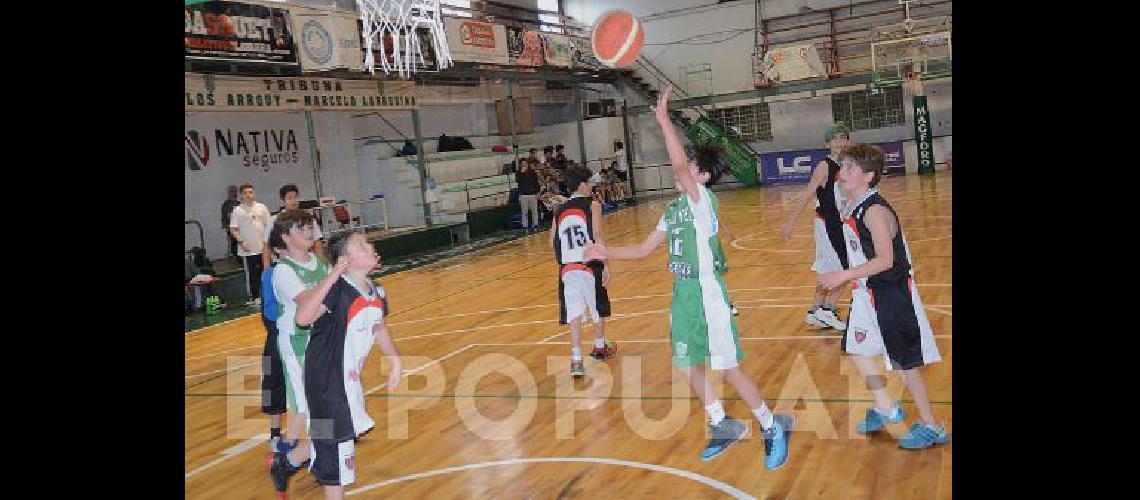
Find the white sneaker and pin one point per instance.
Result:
(829, 318)
(812, 320)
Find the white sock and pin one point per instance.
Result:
(576, 353)
(887, 412)
(764, 416)
(600, 343)
(290, 460)
(716, 412)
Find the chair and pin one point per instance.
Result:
(343, 217)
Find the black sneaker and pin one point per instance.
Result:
(281, 470)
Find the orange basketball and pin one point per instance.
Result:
(617, 38)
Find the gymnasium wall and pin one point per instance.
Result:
(799, 124)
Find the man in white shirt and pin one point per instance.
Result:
(249, 225)
(619, 156)
(291, 197)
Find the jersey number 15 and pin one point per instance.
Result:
(574, 236)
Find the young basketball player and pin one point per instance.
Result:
(581, 286)
(886, 318)
(830, 252)
(297, 272)
(291, 199)
(703, 330)
(272, 369)
(347, 315)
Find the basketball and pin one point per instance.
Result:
(617, 38)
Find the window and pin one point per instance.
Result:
(549, 23)
(457, 3)
(752, 123)
(863, 110)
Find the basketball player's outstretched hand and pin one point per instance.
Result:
(340, 267)
(832, 280)
(595, 251)
(661, 110)
(394, 377)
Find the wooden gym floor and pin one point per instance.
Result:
(631, 428)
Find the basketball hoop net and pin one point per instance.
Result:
(912, 84)
(400, 19)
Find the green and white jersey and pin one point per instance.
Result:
(291, 278)
(702, 329)
(691, 228)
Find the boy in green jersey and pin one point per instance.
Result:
(702, 328)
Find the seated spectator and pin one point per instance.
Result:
(618, 183)
(601, 189)
(199, 285)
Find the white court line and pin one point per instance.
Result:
(753, 236)
(663, 341)
(535, 322)
(931, 239)
(615, 299)
(521, 308)
(225, 351)
(222, 370)
(559, 334)
(460, 315)
(231, 452)
(712, 483)
(421, 367)
(220, 324)
(940, 311)
(801, 304)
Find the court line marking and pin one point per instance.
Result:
(940, 311)
(421, 367)
(707, 481)
(559, 334)
(227, 369)
(636, 297)
(524, 323)
(546, 341)
(618, 299)
(905, 229)
(231, 452)
(223, 352)
(657, 341)
(753, 237)
(841, 306)
(931, 239)
(207, 327)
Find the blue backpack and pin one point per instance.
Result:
(269, 307)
